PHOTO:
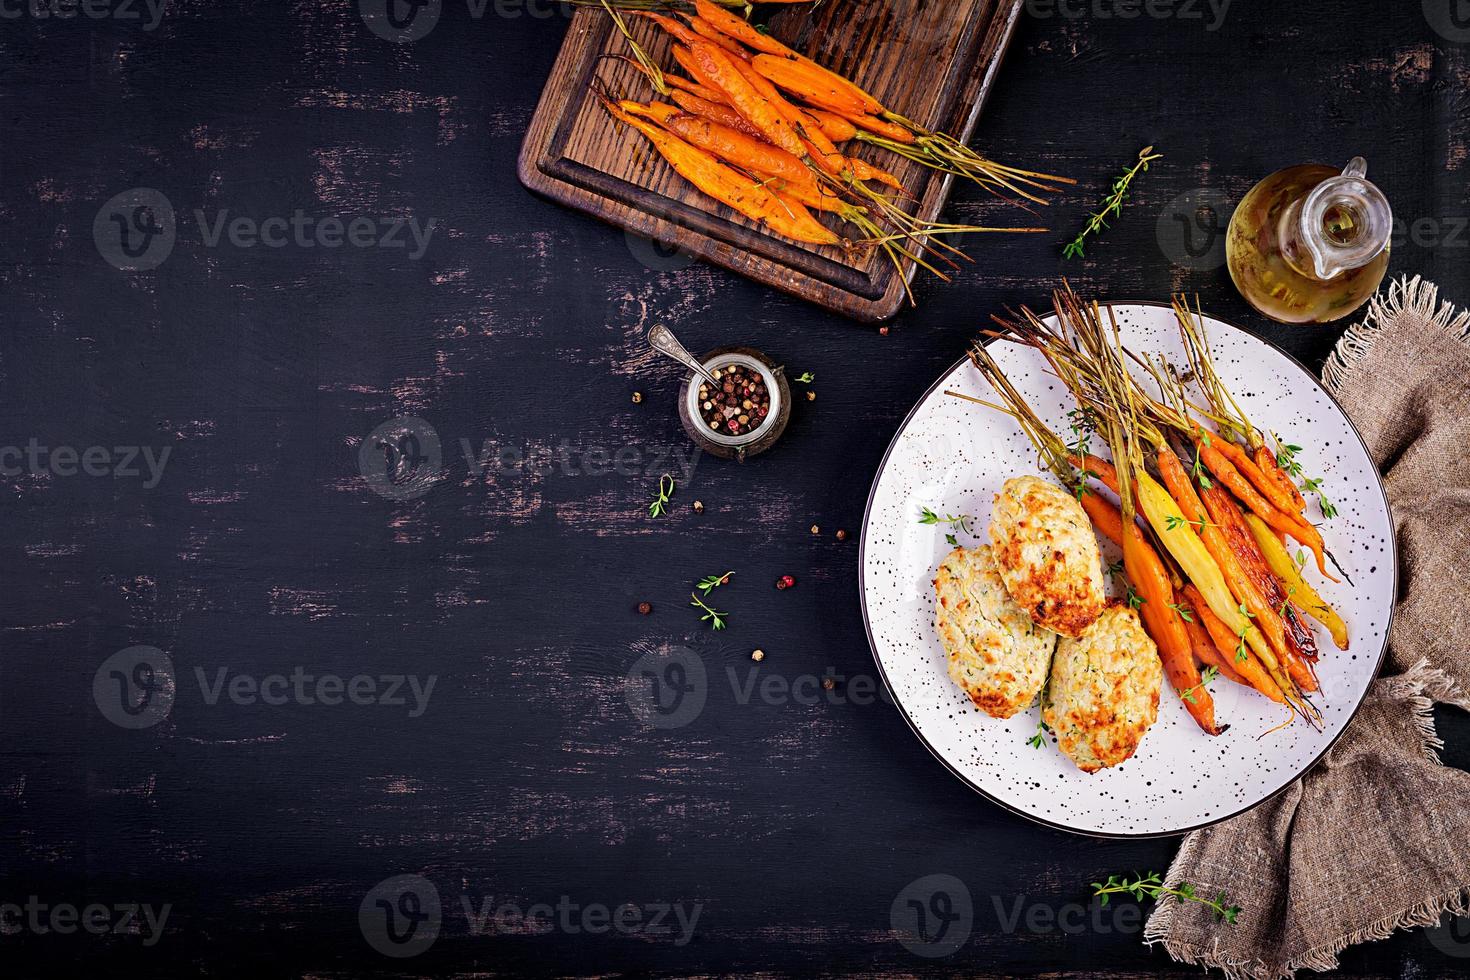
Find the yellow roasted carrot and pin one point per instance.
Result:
(1290, 574)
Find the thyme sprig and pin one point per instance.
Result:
(666, 488)
(709, 583)
(1112, 205)
(1314, 485)
(713, 616)
(1210, 673)
(1152, 886)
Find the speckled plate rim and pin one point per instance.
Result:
(1120, 306)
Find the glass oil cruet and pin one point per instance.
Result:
(1309, 244)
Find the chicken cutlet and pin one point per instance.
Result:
(1104, 690)
(997, 656)
(1047, 555)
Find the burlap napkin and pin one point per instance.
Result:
(1377, 837)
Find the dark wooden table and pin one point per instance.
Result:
(263, 818)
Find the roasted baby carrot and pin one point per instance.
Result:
(1160, 617)
(752, 199)
(1271, 467)
(1158, 609)
(718, 112)
(1296, 526)
(883, 128)
(819, 87)
(736, 148)
(717, 70)
(1296, 585)
(1242, 461)
(1205, 650)
(1236, 652)
(837, 128)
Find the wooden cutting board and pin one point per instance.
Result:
(931, 60)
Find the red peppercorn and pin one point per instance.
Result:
(644, 608)
(785, 582)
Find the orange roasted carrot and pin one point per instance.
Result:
(837, 128)
(1105, 517)
(714, 68)
(1205, 650)
(737, 28)
(1266, 617)
(1271, 467)
(1242, 461)
(713, 34)
(718, 112)
(1301, 647)
(883, 128)
(659, 112)
(1297, 526)
(1159, 611)
(1239, 655)
(814, 84)
(1098, 468)
(752, 199)
(1160, 617)
(736, 148)
(674, 27)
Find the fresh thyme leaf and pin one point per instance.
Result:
(1134, 599)
(1210, 673)
(954, 542)
(1039, 739)
(1112, 205)
(660, 505)
(715, 618)
(1152, 886)
(711, 582)
(1314, 485)
(1185, 613)
(961, 522)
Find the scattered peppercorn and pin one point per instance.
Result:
(785, 582)
(828, 683)
(811, 396)
(699, 507)
(637, 398)
(841, 534)
(758, 656)
(882, 331)
(816, 529)
(644, 608)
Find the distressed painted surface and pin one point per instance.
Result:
(261, 549)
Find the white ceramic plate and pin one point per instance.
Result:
(953, 456)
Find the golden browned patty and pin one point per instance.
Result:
(1047, 554)
(1104, 690)
(996, 654)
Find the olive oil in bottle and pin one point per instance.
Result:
(1309, 244)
